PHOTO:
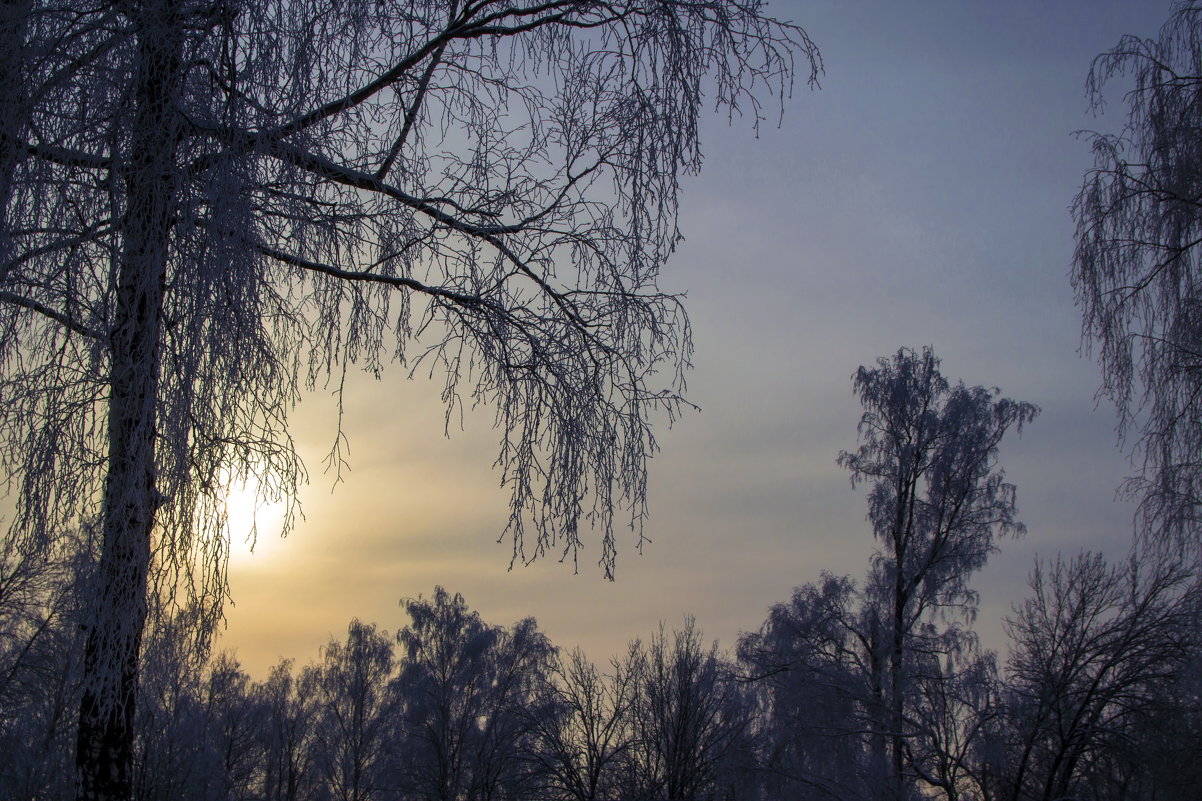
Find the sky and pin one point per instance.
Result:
(919, 197)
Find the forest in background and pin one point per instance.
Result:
(1099, 697)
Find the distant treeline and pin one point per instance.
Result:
(1100, 698)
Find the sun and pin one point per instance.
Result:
(253, 521)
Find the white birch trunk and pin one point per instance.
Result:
(105, 740)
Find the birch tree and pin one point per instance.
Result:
(232, 722)
(818, 664)
(40, 649)
(937, 504)
(171, 755)
(288, 705)
(689, 717)
(467, 693)
(1137, 268)
(442, 688)
(207, 208)
(353, 711)
(955, 705)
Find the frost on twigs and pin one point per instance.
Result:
(209, 209)
(1136, 269)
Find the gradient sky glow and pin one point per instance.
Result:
(920, 197)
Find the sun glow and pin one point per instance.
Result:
(252, 520)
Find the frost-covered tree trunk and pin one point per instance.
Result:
(131, 496)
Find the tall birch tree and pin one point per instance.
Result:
(937, 505)
(209, 206)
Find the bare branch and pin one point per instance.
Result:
(62, 319)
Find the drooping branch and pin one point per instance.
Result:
(62, 156)
(65, 320)
(400, 282)
(269, 183)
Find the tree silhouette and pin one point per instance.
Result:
(818, 664)
(581, 725)
(938, 501)
(1136, 268)
(467, 693)
(208, 207)
(353, 711)
(1092, 643)
(689, 717)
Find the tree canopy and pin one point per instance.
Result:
(210, 207)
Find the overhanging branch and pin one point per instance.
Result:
(62, 319)
(62, 156)
(378, 278)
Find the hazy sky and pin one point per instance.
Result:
(920, 197)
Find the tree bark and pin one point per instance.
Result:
(897, 687)
(105, 737)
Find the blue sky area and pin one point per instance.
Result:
(920, 197)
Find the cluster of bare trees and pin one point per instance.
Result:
(881, 691)
(1099, 698)
(451, 707)
(208, 207)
